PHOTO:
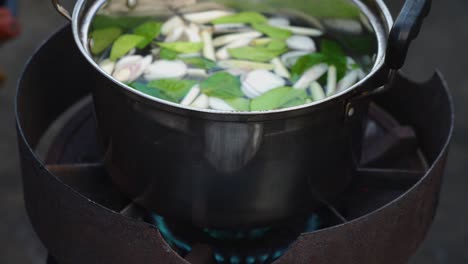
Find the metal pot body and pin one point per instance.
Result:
(224, 173)
(221, 170)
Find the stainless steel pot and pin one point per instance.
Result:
(217, 169)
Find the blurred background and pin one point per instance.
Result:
(441, 45)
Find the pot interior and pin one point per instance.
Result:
(360, 28)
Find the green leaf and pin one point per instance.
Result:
(199, 62)
(103, 38)
(243, 17)
(182, 47)
(173, 90)
(150, 30)
(294, 98)
(277, 45)
(124, 44)
(272, 31)
(270, 100)
(168, 54)
(260, 54)
(335, 56)
(277, 98)
(222, 85)
(330, 53)
(331, 48)
(123, 22)
(239, 104)
(148, 90)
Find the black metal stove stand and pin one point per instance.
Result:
(81, 218)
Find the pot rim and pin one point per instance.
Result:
(80, 35)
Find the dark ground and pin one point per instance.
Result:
(441, 45)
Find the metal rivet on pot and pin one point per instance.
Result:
(350, 110)
(132, 3)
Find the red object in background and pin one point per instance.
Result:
(8, 25)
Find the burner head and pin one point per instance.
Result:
(231, 246)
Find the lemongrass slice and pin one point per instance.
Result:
(316, 91)
(219, 104)
(303, 31)
(171, 24)
(311, 75)
(331, 80)
(107, 65)
(280, 69)
(225, 39)
(206, 16)
(208, 48)
(201, 102)
(245, 65)
(191, 95)
(349, 80)
(165, 69)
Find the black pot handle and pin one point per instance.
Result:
(405, 30)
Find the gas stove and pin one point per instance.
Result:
(81, 217)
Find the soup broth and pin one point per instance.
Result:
(229, 60)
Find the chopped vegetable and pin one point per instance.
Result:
(182, 47)
(199, 62)
(222, 85)
(168, 54)
(122, 22)
(278, 98)
(124, 44)
(243, 17)
(225, 60)
(239, 104)
(274, 32)
(150, 30)
(103, 38)
(174, 90)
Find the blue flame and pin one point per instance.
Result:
(312, 224)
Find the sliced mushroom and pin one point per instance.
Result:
(261, 81)
(311, 75)
(107, 65)
(208, 48)
(331, 80)
(304, 43)
(191, 95)
(280, 69)
(219, 104)
(130, 68)
(223, 53)
(206, 16)
(279, 22)
(171, 24)
(226, 39)
(303, 31)
(290, 58)
(164, 69)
